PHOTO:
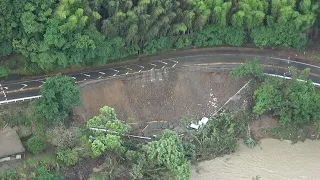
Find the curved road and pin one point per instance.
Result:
(10, 91)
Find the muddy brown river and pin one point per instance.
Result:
(271, 160)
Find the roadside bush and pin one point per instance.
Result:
(58, 95)
(67, 156)
(62, 137)
(252, 69)
(5, 48)
(286, 35)
(36, 144)
(295, 101)
(234, 36)
(214, 35)
(183, 41)
(154, 45)
(4, 72)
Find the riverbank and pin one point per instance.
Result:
(271, 159)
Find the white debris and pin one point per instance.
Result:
(194, 126)
(202, 122)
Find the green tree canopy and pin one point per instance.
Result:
(58, 95)
(296, 101)
(106, 132)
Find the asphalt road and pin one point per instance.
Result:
(272, 65)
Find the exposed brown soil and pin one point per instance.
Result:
(260, 126)
(161, 95)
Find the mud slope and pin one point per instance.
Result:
(159, 95)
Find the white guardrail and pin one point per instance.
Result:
(19, 99)
(284, 77)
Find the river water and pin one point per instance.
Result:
(271, 160)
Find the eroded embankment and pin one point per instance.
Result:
(271, 160)
(160, 95)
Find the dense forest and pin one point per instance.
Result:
(52, 33)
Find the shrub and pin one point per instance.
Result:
(164, 157)
(154, 45)
(9, 175)
(67, 156)
(213, 35)
(249, 141)
(44, 174)
(5, 48)
(252, 68)
(62, 137)
(183, 41)
(36, 144)
(286, 35)
(4, 72)
(295, 101)
(218, 137)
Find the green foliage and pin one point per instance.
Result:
(251, 68)
(250, 13)
(214, 35)
(37, 167)
(58, 95)
(53, 34)
(36, 144)
(4, 72)
(160, 159)
(256, 178)
(155, 45)
(183, 41)
(249, 141)
(279, 35)
(106, 132)
(9, 175)
(44, 174)
(218, 137)
(295, 101)
(68, 157)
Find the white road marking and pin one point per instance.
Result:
(128, 71)
(153, 66)
(102, 73)
(99, 77)
(87, 75)
(164, 64)
(24, 85)
(140, 69)
(295, 62)
(176, 62)
(42, 83)
(117, 71)
(4, 94)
